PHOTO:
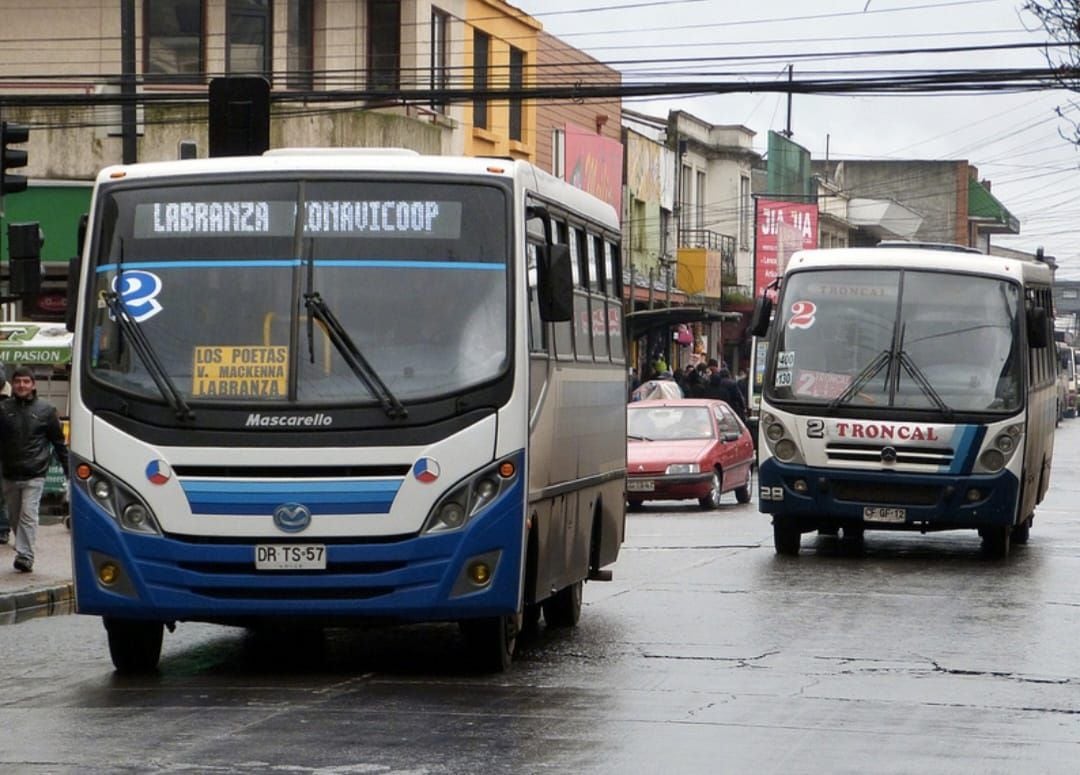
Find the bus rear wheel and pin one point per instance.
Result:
(135, 646)
(786, 536)
(563, 609)
(492, 640)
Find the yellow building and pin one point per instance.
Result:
(500, 53)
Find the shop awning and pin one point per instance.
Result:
(641, 322)
(991, 214)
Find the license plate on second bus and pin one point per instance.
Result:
(290, 557)
(640, 485)
(884, 514)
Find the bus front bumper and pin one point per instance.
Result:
(890, 500)
(407, 578)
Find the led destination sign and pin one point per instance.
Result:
(378, 218)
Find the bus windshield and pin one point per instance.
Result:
(917, 340)
(220, 279)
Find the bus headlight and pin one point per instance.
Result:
(116, 499)
(992, 460)
(785, 450)
(774, 431)
(471, 496)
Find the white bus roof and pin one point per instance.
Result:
(920, 258)
(393, 160)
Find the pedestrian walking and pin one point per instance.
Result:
(30, 434)
(5, 524)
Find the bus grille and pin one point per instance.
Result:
(860, 453)
(885, 493)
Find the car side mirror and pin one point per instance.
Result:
(731, 436)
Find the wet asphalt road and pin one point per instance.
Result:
(706, 654)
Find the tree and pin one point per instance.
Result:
(1061, 19)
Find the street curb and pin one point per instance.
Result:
(33, 603)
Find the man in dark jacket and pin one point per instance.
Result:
(722, 386)
(30, 434)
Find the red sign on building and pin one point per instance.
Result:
(594, 164)
(782, 229)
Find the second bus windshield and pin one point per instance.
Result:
(905, 339)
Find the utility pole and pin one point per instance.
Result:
(127, 81)
(790, 72)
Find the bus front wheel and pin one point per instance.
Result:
(786, 536)
(135, 646)
(492, 640)
(996, 540)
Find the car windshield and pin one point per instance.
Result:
(890, 338)
(667, 423)
(219, 278)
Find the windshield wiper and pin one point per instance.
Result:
(142, 347)
(637, 437)
(869, 371)
(345, 345)
(920, 379)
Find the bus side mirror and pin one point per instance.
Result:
(759, 320)
(1036, 327)
(556, 283)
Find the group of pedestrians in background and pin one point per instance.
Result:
(705, 380)
(714, 380)
(30, 434)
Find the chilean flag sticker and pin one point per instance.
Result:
(158, 472)
(426, 470)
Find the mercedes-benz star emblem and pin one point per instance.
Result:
(888, 454)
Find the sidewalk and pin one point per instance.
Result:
(45, 591)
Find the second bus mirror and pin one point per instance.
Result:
(759, 320)
(556, 284)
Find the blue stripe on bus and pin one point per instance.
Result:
(361, 497)
(289, 263)
(964, 448)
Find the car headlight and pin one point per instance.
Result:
(683, 468)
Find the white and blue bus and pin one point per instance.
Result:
(906, 388)
(327, 387)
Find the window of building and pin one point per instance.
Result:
(247, 35)
(440, 58)
(699, 201)
(481, 53)
(174, 39)
(745, 212)
(517, 81)
(384, 44)
(300, 45)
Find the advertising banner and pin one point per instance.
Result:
(782, 229)
(594, 164)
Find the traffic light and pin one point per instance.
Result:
(12, 157)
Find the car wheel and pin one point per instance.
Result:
(712, 500)
(742, 494)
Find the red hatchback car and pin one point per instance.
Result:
(686, 448)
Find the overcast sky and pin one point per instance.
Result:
(1015, 140)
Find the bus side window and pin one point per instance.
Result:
(564, 332)
(537, 328)
(596, 284)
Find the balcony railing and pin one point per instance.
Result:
(713, 240)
